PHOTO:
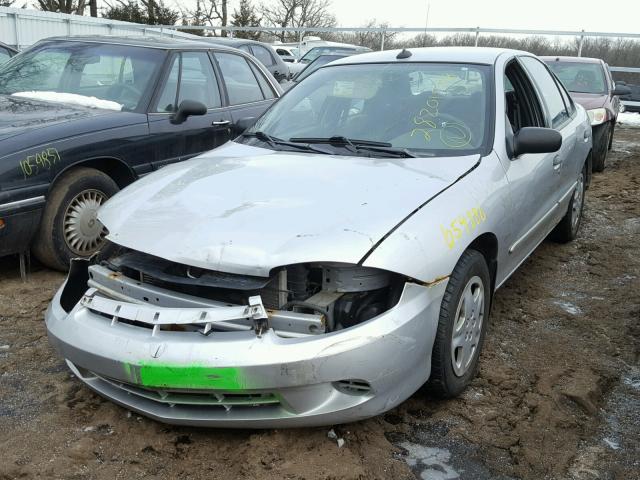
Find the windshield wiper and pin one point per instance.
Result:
(273, 141)
(340, 140)
(358, 145)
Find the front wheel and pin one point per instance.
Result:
(69, 227)
(602, 138)
(464, 314)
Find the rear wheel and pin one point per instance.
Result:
(69, 226)
(462, 325)
(567, 229)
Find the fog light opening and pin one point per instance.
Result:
(353, 387)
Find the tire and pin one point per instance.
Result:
(613, 129)
(567, 229)
(453, 368)
(73, 202)
(601, 139)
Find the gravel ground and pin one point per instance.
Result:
(557, 396)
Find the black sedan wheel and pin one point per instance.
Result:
(70, 227)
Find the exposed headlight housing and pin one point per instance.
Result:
(598, 116)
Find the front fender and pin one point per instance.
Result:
(427, 246)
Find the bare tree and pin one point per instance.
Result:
(211, 12)
(63, 6)
(297, 13)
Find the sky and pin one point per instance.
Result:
(617, 16)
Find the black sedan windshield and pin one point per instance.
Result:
(425, 108)
(116, 73)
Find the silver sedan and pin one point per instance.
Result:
(340, 253)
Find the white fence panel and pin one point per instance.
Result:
(22, 28)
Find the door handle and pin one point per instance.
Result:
(220, 123)
(557, 162)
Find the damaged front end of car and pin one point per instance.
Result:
(311, 344)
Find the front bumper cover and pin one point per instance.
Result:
(239, 379)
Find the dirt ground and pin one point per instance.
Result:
(557, 396)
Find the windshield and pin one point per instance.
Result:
(427, 108)
(116, 73)
(580, 77)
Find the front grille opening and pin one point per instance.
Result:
(196, 398)
(353, 387)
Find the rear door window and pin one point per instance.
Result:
(242, 85)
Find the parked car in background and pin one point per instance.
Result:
(81, 118)
(630, 101)
(342, 251)
(6, 52)
(262, 51)
(321, 61)
(315, 52)
(590, 83)
(287, 53)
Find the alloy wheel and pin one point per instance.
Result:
(467, 327)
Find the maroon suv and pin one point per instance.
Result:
(590, 84)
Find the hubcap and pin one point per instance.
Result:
(576, 209)
(468, 326)
(83, 232)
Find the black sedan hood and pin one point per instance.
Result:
(20, 115)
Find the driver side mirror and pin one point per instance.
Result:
(536, 140)
(186, 109)
(245, 123)
(621, 90)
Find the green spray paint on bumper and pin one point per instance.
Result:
(201, 377)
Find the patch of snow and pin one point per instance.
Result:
(72, 98)
(611, 444)
(631, 119)
(433, 463)
(568, 307)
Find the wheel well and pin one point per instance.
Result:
(487, 245)
(119, 172)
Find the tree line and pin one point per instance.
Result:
(317, 14)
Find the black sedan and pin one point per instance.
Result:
(82, 117)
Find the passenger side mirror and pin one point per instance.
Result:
(186, 109)
(621, 90)
(244, 123)
(536, 140)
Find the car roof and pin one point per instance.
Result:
(161, 42)
(233, 41)
(482, 55)
(556, 58)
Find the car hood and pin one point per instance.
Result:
(246, 210)
(20, 115)
(589, 100)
